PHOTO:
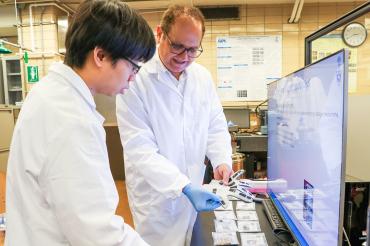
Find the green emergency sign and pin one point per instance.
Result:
(32, 74)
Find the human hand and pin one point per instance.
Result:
(201, 199)
(223, 172)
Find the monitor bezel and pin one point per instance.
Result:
(281, 210)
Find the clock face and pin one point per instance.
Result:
(354, 34)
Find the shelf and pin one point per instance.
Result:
(11, 83)
(14, 74)
(15, 89)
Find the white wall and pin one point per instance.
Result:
(7, 14)
(7, 21)
(358, 137)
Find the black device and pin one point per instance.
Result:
(368, 226)
(279, 229)
(273, 216)
(355, 211)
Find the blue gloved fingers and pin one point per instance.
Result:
(187, 189)
(214, 197)
(212, 205)
(201, 199)
(212, 202)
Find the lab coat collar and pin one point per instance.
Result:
(155, 65)
(78, 84)
(75, 80)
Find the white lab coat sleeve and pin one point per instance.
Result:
(141, 150)
(78, 186)
(219, 140)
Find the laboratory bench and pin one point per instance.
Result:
(204, 226)
(254, 147)
(251, 142)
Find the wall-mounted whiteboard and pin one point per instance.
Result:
(246, 64)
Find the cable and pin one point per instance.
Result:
(345, 235)
(258, 114)
(285, 242)
(257, 199)
(259, 105)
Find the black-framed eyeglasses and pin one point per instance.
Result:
(178, 49)
(135, 67)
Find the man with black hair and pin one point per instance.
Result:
(169, 120)
(60, 189)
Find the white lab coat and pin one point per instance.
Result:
(165, 136)
(60, 190)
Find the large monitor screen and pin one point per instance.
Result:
(306, 149)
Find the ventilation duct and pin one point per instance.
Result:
(221, 13)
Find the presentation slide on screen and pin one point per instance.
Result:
(305, 123)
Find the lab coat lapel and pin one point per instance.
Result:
(190, 84)
(188, 115)
(164, 78)
(72, 78)
(155, 66)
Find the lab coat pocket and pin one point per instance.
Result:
(200, 112)
(169, 209)
(203, 106)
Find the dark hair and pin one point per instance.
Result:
(174, 11)
(111, 25)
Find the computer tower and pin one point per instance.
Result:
(356, 204)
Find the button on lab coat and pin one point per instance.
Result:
(60, 190)
(166, 136)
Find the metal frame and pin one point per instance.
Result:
(341, 21)
(343, 154)
(344, 29)
(344, 148)
(5, 60)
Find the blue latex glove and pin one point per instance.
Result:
(201, 199)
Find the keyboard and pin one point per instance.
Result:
(273, 216)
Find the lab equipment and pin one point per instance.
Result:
(245, 206)
(253, 239)
(243, 195)
(249, 226)
(247, 215)
(260, 186)
(225, 215)
(225, 238)
(274, 217)
(225, 202)
(238, 158)
(225, 226)
(233, 178)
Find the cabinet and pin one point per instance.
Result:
(6, 132)
(12, 87)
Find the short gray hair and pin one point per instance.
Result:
(175, 11)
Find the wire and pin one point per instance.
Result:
(259, 105)
(285, 242)
(258, 114)
(346, 236)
